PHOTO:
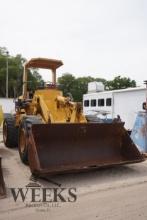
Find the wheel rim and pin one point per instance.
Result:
(5, 132)
(22, 141)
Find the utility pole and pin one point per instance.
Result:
(7, 74)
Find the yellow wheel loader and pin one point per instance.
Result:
(53, 135)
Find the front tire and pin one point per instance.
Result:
(23, 137)
(23, 142)
(10, 132)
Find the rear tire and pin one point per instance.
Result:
(10, 132)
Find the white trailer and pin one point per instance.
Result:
(125, 103)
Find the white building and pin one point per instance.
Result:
(125, 103)
(8, 105)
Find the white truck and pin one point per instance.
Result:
(109, 104)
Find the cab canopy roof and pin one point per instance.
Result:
(43, 63)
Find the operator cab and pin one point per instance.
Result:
(42, 63)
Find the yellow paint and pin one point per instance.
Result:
(48, 103)
(52, 107)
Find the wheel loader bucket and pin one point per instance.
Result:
(2, 185)
(56, 148)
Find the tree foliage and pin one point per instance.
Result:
(120, 83)
(15, 70)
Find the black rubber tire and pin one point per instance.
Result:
(29, 120)
(23, 154)
(11, 138)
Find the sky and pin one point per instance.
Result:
(98, 38)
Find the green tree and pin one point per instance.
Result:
(15, 74)
(120, 83)
(66, 83)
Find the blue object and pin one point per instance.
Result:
(139, 132)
